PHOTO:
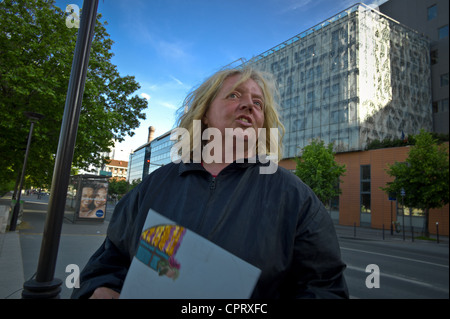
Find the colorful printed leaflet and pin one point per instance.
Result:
(158, 246)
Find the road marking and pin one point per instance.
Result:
(35, 202)
(398, 257)
(402, 278)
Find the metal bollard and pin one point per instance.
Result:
(403, 229)
(437, 232)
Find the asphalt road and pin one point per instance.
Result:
(407, 270)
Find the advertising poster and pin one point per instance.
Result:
(93, 199)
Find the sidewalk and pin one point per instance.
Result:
(11, 266)
(367, 233)
(19, 250)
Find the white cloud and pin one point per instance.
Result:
(172, 50)
(169, 105)
(145, 96)
(291, 5)
(176, 80)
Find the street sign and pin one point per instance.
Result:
(392, 196)
(402, 192)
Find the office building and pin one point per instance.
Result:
(354, 78)
(429, 17)
(160, 151)
(150, 156)
(139, 162)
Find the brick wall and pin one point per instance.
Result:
(349, 201)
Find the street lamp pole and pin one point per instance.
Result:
(33, 117)
(44, 285)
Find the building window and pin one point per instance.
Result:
(443, 105)
(432, 12)
(434, 55)
(444, 79)
(365, 189)
(435, 106)
(443, 32)
(440, 106)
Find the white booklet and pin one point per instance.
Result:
(173, 262)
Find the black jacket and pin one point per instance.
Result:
(273, 221)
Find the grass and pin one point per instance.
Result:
(425, 238)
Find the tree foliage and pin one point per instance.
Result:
(407, 140)
(117, 188)
(36, 53)
(318, 169)
(424, 176)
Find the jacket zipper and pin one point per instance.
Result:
(212, 187)
(212, 184)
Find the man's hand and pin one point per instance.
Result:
(105, 293)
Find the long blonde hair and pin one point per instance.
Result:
(199, 100)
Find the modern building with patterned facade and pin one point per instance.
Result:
(430, 17)
(354, 78)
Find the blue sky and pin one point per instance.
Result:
(170, 46)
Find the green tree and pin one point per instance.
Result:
(36, 53)
(134, 183)
(117, 188)
(318, 169)
(424, 176)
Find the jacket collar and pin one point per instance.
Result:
(240, 164)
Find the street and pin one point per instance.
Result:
(407, 270)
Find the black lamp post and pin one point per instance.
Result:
(33, 117)
(44, 285)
